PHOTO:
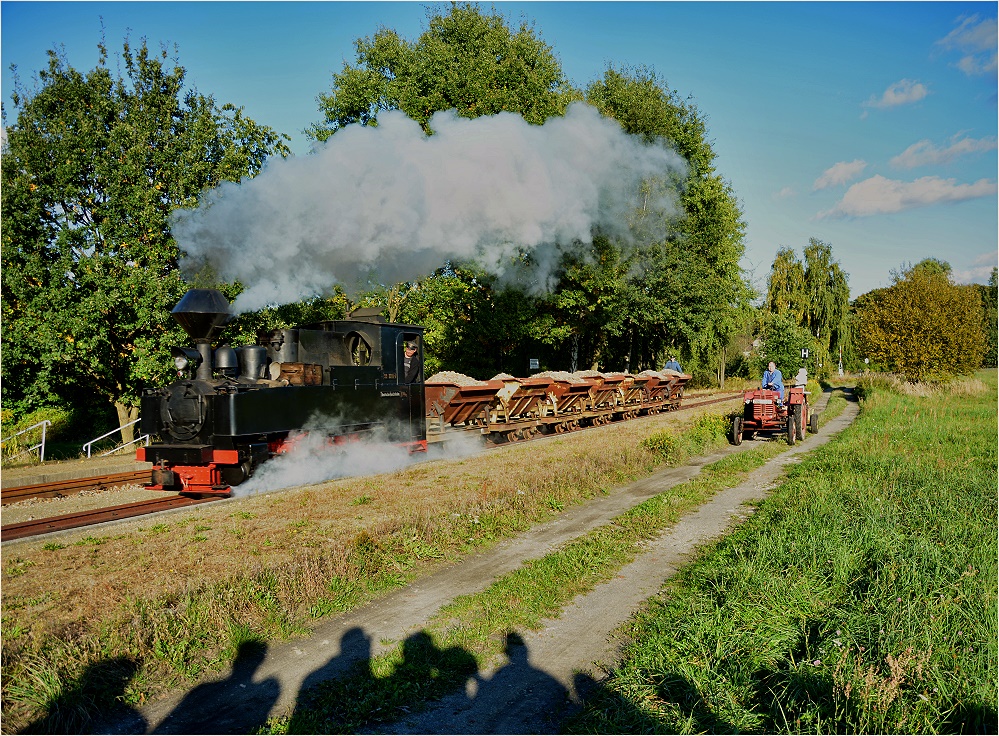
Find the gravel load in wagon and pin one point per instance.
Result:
(455, 399)
(521, 397)
(567, 392)
(604, 392)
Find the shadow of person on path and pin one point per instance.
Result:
(351, 662)
(96, 695)
(350, 697)
(233, 705)
(518, 698)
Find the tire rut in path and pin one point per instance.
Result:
(545, 673)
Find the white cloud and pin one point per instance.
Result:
(975, 38)
(881, 196)
(785, 193)
(902, 92)
(924, 152)
(979, 271)
(840, 173)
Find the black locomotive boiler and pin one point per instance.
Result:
(233, 408)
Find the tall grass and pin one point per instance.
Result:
(861, 597)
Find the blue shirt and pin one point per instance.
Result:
(774, 380)
(672, 365)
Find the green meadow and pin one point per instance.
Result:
(859, 598)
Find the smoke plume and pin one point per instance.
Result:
(391, 203)
(313, 459)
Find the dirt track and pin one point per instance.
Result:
(545, 672)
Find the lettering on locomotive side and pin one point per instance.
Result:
(386, 394)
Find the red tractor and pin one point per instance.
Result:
(763, 411)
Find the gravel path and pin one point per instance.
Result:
(544, 674)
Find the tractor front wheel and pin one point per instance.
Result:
(737, 431)
(790, 426)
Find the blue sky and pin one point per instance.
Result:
(870, 126)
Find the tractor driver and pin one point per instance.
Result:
(773, 380)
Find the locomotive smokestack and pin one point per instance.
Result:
(202, 313)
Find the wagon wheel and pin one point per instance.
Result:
(736, 435)
(799, 424)
(813, 422)
(790, 428)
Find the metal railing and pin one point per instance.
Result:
(88, 447)
(45, 423)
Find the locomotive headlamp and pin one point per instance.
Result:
(185, 358)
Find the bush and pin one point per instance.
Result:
(664, 445)
(672, 449)
(61, 420)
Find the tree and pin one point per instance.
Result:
(989, 295)
(687, 292)
(781, 340)
(92, 169)
(923, 325)
(466, 60)
(616, 303)
(815, 294)
(786, 286)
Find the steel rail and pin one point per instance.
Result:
(58, 489)
(65, 522)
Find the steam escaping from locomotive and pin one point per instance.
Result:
(390, 203)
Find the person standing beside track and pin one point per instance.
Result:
(673, 365)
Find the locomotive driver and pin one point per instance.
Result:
(411, 365)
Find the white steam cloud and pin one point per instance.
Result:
(392, 204)
(312, 458)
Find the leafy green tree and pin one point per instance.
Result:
(615, 304)
(466, 60)
(923, 325)
(989, 295)
(815, 294)
(781, 340)
(91, 171)
(786, 286)
(686, 293)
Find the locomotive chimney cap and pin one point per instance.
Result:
(202, 313)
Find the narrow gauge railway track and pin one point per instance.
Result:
(59, 489)
(96, 516)
(65, 522)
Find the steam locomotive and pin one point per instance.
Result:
(233, 408)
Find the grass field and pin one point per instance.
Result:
(860, 598)
(96, 619)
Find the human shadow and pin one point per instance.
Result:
(518, 698)
(96, 693)
(346, 696)
(235, 704)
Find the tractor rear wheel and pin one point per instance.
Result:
(799, 424)
(813, 422)
(737, 431)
